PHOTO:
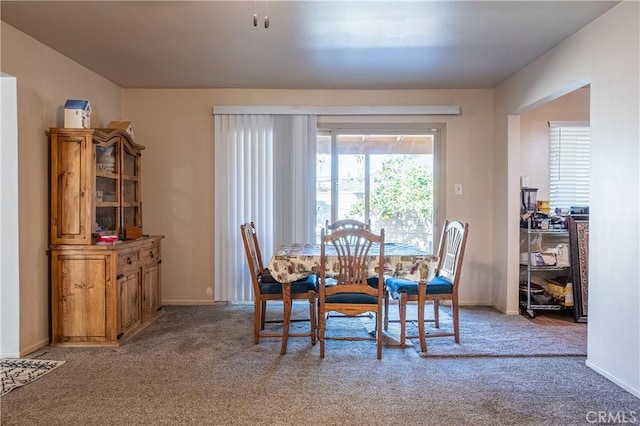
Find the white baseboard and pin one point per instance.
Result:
(190, 302)
(504, 310)
(250, 302)
(623, 385)
(218, 302)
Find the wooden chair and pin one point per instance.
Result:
(350, 294)
(266, 288)
(351, 224)
(443, 286)
(345, 224)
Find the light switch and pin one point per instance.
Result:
(458, 189)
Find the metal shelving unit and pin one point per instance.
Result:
(527, 303)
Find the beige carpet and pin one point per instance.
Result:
(197, 365)
(486, 332)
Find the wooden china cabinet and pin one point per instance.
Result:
(105, 274)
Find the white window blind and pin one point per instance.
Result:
(569, 164)
(264, 173)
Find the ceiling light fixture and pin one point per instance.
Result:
(266, 14)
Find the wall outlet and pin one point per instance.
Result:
(209, 291)
(458, 189)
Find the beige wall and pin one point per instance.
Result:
(45, 80)
(177, 128)
(534, 135)
(605, 54)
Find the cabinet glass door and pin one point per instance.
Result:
(107, 196)
(131, 207)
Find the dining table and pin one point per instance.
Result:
(295, 261)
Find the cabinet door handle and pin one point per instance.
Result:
(151, 254)
(129, 262)
(119, 276)
(159, 261)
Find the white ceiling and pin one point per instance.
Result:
(308, 45)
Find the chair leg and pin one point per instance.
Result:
(422, 296)
(312, 316)
(402, 307)
(456, 324)
(286, 317)
(322, 324)
(436, 313)
(263, 314)
(257, 314)
(379, 331)
(386, 311)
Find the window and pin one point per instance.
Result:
(569, 164)
(383, 177)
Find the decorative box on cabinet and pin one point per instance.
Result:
(102, 294)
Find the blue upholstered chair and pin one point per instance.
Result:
(443, 286)
(266, 288)
(350, 294)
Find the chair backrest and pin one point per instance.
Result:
(451, 251)
(345, 224)
(353, 246)
(252, 251)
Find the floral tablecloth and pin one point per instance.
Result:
(295, 261)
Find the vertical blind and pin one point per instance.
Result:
(569, 164)
(243, 150)
(265, 173)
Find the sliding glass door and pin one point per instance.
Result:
(384, 179)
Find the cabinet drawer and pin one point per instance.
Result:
(129, 259)
(150, 254)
